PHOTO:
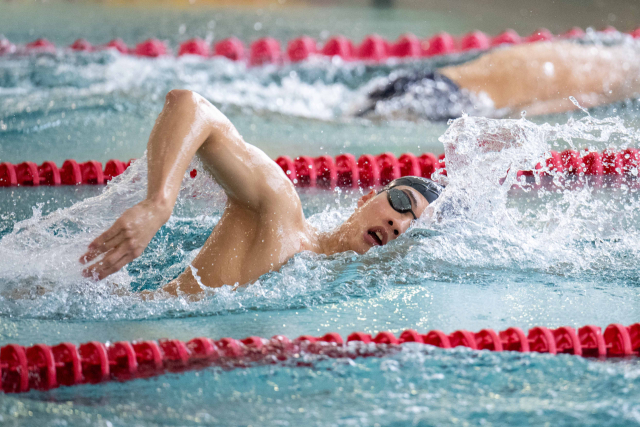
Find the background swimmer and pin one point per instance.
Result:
(536, 77)
(262, 226)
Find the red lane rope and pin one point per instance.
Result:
(43, 367)
(342, 171)
(267, 50)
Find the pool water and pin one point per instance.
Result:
(512, 258)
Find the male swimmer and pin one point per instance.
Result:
(262, 225)
(537, 78)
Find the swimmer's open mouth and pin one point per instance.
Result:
(376, 236)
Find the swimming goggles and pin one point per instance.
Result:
(399, 201)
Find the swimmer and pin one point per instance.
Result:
(538, 78)
(262, 225)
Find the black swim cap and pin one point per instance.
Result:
(429, 189)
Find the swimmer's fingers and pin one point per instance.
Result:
(100, 246)
(112, 262)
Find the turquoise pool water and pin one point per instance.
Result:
(514, 259)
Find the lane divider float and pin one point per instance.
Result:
(43, 367)
(345, 170)
(267, 50)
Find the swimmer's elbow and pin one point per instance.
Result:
(187, 103)
(192, 104)
(180, 96)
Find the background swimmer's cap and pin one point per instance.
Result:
(429, 189)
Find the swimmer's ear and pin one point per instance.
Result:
(364, 199)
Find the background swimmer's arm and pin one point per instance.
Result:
(540, 77)
(187, 125)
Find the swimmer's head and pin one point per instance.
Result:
(387, 214)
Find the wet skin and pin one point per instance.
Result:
(262, 225)
(540, 77)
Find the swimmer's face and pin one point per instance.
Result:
(376, 223)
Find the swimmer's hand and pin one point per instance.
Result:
(125, 240)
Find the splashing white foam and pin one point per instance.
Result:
(568, 232)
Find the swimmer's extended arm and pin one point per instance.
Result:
(187, 125)
(540, 77)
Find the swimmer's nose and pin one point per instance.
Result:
(396, 228)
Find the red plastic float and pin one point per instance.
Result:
(91, 172)
(70, 173)
(373, 48)
(301, 48)
(541, 340)
(368, 171)
(410, 335)
(463, 338)
(513, 339)
(112, 169)
(359, 336)
(386, 338)
(407, 46)
(94, 362)
(81, 45)
(609, 30)
(326, 173)
(287, 166)
(554, 162)
(27, 174)
(612, 162)
(305, 171)
(509, 36)
(593, 164)
(488, 339)
(14, 369)
(567, 341)
(389, 167)
(437, 339)
(580, 167)
(118, 45)
(339, 46)
(194, 46)
(229, 347)
(631, 161)
(572, 162)
(348, 174)
(49, 174)
(41, 367)
(540, 35)
(265, 51)
(230, 48)
(8, 176)
(440, 44)
(618, 340)
(409, 165)
(152, 48)
(332, 337)
(592, 341)
(41, 45)
(573, 33)
(148, 356)
(475, 40)
(68, 369)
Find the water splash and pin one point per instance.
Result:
(477, 224)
